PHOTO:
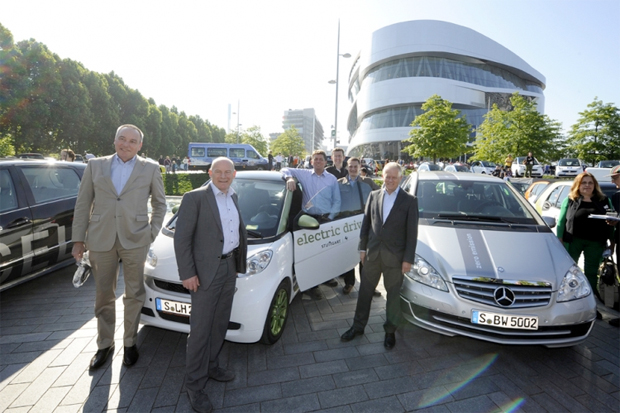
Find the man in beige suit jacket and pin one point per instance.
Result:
(111, 220)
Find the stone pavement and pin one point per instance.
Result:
(48, 337)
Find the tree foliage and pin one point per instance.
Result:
(596, 135)
(440, 132)
(48, 103)
(517, 132)
(289, 143)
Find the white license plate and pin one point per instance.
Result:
(173, 307)
(504, 321)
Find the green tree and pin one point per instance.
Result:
(6, 146)
(596, 135)
(517, 131)
(254, 137)
(289, 143)
(439, 132)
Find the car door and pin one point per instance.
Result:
(330, 250)
(15, 228)
(51, 192)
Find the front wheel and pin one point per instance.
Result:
(277, 314)
(260, 168)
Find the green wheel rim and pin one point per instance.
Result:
(278, 313)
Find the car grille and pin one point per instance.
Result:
(522, 295)
(168, 286)
(465, 327)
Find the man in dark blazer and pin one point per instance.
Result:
(210, 243)
(387, 246)
(111, 219)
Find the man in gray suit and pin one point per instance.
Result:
(111, 219)
(387, 245)
(210, 243)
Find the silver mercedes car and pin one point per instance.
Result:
(489, 267)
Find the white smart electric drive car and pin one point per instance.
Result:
(288, 252)
(489, 267)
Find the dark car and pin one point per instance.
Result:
(37, 199)
(30, 156)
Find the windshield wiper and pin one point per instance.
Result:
(255, 234)
(475, 218)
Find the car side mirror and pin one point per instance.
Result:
(550, 221)
(546, 206)
(308, 222)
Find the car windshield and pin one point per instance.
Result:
(488, 164)
(260, 203)
(608, 164)
(461, 168)
(568, 162)
(469, 200)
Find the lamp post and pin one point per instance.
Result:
(237, 113)
(345, 55)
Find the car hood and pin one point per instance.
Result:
(166, 268)
(476, 252)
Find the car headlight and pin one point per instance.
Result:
(575, 285)
(423, 272)
(151, 258)
(258, 262)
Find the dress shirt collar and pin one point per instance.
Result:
(386, 193)
(217, 191)
(131, 162)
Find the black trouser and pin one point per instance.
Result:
(349, 276)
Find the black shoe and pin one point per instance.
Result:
(350, 334)
(100, 357)
(377, 293)
(331, 283)
(220, 374)
(390, 340)
(599, 316)
(131, 355)
(200, 401)
(615, 322)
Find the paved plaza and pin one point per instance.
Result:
(48, 335)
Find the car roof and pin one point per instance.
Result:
(262, 175)
(27, 161)
(459, 176)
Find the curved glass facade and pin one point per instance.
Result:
(425, 66)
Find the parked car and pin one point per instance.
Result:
(607, 164)
(457, 167)
(37, 199)
(428, 166)
(287, 253)
(79, 158)
(568, 167)
(518, 168)
(550, 199)
(467, 279)
(532, 192)
(483, 167)
(30, 156)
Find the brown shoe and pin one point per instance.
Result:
(347, 289)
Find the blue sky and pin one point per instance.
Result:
(276, 55)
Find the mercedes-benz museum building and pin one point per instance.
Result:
(406, 63)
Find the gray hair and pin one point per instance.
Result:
(129, 126)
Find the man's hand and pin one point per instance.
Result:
(290, 184)
(192, 284)
(406, 267)
(78, 250)
(362, 257)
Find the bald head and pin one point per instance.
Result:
(222, 173)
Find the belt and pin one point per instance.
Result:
(230, 254)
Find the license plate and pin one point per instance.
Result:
(173, 307)
(504, 321)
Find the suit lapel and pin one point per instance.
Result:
(106, 171)
(137, 170)
(381, 206)
(210, 194)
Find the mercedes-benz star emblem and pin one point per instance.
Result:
(504, 296)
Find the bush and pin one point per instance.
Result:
(178, 184)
